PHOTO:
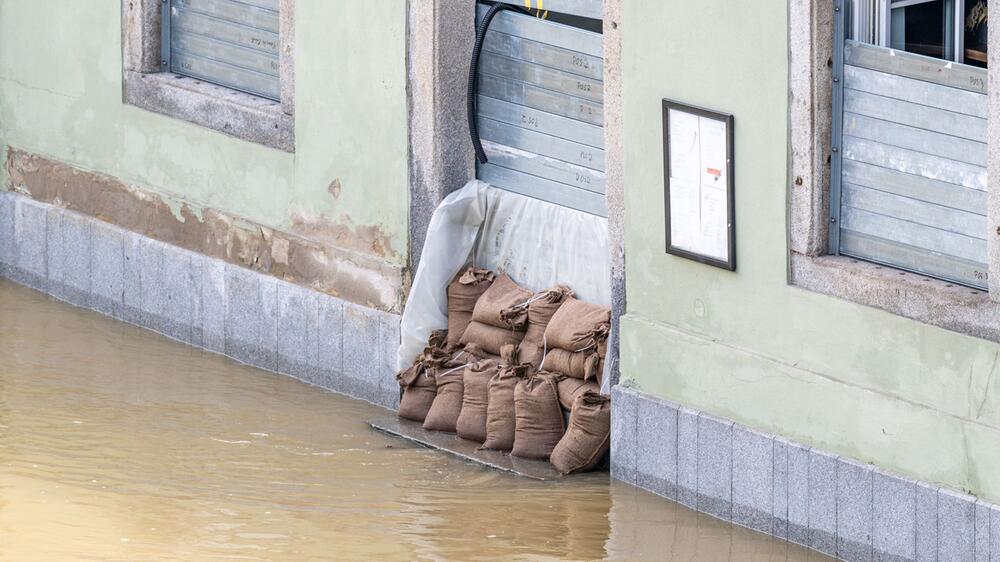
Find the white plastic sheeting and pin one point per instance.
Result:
(537, 243)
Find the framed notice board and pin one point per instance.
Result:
(698, 184)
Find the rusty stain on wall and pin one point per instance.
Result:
(333, 258)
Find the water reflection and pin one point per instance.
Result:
(117, 444)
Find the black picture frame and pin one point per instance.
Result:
(729, 121)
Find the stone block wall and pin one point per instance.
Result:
(252, 317)
(831, 504)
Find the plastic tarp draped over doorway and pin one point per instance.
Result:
(537, 243)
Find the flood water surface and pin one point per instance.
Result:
(119, 444)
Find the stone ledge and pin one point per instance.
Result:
(249, 316)
(237, 114)
(808, 496)
(931, 301)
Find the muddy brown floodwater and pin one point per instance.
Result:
(119, 444)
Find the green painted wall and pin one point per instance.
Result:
(847, 378)
(61, 97)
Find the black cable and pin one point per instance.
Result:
(473, 91)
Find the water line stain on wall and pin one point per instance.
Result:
(350, 262)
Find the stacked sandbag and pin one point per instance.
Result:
(471, 423)
(570, 389)
(589, 435)
(538, 417)
(447, 405)
(537, 313)
(489, 329)
(418, 381)
(500, 419)
(463, 292)
(576, 339)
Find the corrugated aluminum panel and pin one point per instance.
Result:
(540, 109)
(912, 181)
(233, 43)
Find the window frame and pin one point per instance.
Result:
(148, 86)
(810, 266)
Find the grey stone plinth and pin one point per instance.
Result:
(656, 433)
(180, 295)
(209, 329)
(30, 219)
(6, 233)
(687, 457)
(994, 533)
(779, 496)
(894, 525)
(107, 265)
(823, 502)
(388, 341)
(927, 522)
(297, 335)
(798, 494)
(624, 411)
(753, 479)
(855, 511)
(956, 527)
(249, 316)
(715, 464)
(361, 357)
(330, 340)
(251, 321)
(982, 546)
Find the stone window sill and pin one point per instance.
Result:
(938, 303)
(228, 111)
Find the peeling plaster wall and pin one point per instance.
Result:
(850, 379)
(61, 98)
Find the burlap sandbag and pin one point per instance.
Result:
(417, 381)
(463, 292)
(569, 389)
(588, 437)
(500, 421)
(577, 326)
(447, 405)
(471, 422)
(538, 425)
(503, 294)
(579, 365)
(490, 338)
(539, 311)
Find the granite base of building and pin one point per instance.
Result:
(251, 317)
(811, 497)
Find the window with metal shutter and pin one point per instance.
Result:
(540, 106)
(233, 43)
(909, 167)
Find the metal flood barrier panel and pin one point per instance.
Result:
(541, 107)
(227, 42)
(909, 167)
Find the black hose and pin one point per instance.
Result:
(473, 91)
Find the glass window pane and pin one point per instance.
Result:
(975, 32)
(921, 29)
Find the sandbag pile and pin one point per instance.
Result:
(463, 292)
(489, 329)
(418, 382)
(576, 340)
(588, 437)
(509, 365)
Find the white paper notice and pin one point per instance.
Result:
(699, 182)
(685, 151)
